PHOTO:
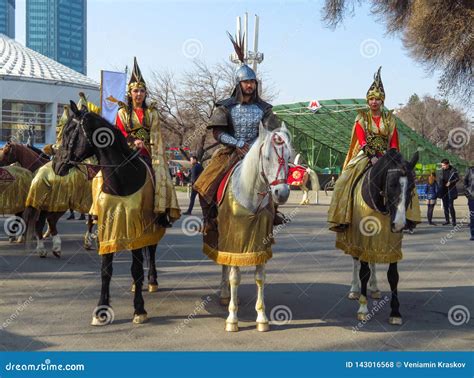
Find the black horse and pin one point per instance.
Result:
(124, 173)
(375, 235)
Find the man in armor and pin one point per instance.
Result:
(234, 124)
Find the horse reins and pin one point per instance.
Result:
(71, 145)
(276, 141)
(382, 194)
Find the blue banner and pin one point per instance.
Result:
(112, 86)
(236, 364)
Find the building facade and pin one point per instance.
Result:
(33, 91)
(7, 18)
(58, 30)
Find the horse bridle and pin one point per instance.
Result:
(80, 123)
(276, 142)
(11, 157)
(382, 193)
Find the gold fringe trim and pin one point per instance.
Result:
(128, 245)
(237, 259)
(373, 257)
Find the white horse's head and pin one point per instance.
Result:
(275, 149)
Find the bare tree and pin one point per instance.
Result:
(438, 33)
(186, 104)
(440, 123)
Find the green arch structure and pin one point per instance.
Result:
(323, 137)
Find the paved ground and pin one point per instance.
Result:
(46, 304)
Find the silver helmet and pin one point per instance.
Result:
(244, 72)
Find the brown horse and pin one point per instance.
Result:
(43, 204)
(14, 185)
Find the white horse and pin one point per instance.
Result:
(354, 293)
(312, 177)
(256, 185)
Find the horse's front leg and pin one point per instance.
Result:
(305, 199)
(354, 293)
(232, 322)
(262, 320)
(139, 315)
(373, 287)
(39, 225)
(53, 219)
(224, 291)
(392, 275)
(152, 273)
(103, 313)
(89, 236)
(364, 275)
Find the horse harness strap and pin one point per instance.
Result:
(76, 163)
(276, 141)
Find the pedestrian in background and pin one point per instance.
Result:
(196, 171)
(431, 192)
(448, 191)
(469, 190)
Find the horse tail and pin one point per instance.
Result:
(314, 183)
(314, 179)
(30, 216)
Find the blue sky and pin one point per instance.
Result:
(304, 59)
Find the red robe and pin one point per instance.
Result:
(361, 137)
(139, 113)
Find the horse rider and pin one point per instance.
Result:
(235, 125)
(373, 134)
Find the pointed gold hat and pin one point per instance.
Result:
(376, 89)
(136, 80)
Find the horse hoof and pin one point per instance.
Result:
(376, 294)
(97, 322)
(140, 319)
(57, 254)
(353, 295)
(224, 301)
(42, 253)
(361, 316)
(152, 288)
(395, 320)
(263, 327)
(21, 239)
(11, 239)
(232, 327)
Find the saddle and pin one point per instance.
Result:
(6, 176)
(223, 185)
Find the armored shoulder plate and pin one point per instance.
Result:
(219, 117)
(228, 102)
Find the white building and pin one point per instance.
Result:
(33, 91)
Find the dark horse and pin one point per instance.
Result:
(124, 173)
(379, 214)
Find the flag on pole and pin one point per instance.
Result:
(113, 86)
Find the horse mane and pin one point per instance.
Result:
(32, 157)
(374, 179)
(251, 159)
(249, 162)
(118, 136)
